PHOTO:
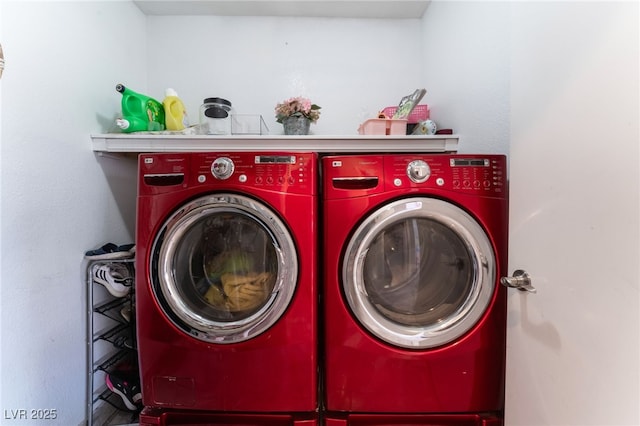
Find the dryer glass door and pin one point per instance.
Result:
(224, 268)
(419, 272)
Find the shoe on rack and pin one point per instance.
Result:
(111, 251)
(122, 270)
(114, 280)
(127, 368)
(123, 342)
(128, 390)
(126, 312)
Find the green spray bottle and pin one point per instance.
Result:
(139, 112)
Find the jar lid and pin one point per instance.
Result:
(216, 112)
(220, 101)
(216, 107)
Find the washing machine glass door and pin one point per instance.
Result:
(419, 272)
(224, 268)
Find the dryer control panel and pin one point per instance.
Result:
(479, 174)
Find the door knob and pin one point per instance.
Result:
(519, 280)
(1, 61)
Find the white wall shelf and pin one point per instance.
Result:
(326, 144)
(380, 9)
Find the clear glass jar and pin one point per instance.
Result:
(215, 117)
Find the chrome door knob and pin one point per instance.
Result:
(519, 280)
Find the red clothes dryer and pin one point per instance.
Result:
(226, 281)
(414, 316)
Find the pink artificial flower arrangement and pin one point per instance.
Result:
(297, 107)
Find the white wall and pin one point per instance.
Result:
(59, 199)
(465, 56)
(352, 68)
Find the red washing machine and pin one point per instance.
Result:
(226, 292)
(414, 316)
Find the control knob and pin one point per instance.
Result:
(222, 168)
(418, 171)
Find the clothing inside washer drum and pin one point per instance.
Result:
(225, 266)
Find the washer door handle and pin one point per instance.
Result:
(520, 280)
